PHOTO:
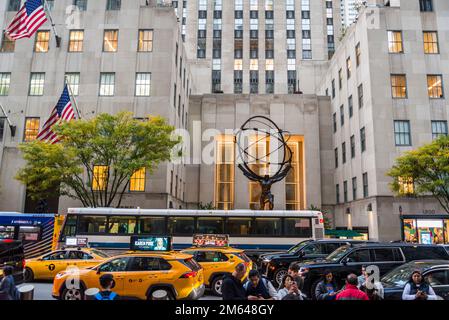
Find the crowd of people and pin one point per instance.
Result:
(355, 288)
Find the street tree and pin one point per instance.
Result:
(96, 158)
(427, 168)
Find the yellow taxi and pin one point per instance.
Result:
(47, 266)
(137, 276)
(217, 259)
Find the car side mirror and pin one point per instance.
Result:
(98, 271)
(302, 253)
(346, 260)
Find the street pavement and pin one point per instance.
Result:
(42, 291)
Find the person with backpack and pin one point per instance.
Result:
(107, 283)
(8, 289)
(259, 288)
(418, 289)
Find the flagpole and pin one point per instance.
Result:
(72, 96)
(57, 37)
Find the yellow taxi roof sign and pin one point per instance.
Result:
(211, 240)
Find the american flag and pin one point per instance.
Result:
(62, 112)
(29, 18)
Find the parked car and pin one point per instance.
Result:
(275, 265)
(435, 272)
(12, 254)
(350, 259)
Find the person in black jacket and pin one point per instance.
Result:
(327, 288)
(232, 287)
(8, 289)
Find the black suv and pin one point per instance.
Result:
(350, 259)
(12, 254)
(275, 265)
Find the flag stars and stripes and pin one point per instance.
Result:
(27, 21)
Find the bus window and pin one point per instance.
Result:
(151, 225)
(29, 233)
(210, 225)
(239, 226)
(92, 224)
(6, 232)
(300, 227)
(122, 225)
(268, 226)
(181, 225)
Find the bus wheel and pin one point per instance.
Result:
(279, 276)
(28, 275)
(72, 294)
(216, 285)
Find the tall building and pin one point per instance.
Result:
(349, 11)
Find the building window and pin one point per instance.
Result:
(362, 139)
(5, 81)
(342, 115)
(402, 133)
(351, 106)
(80, 4)
(333, 88)
(137, 181)
(107, 84)
(343, 152)
(73, 79)
(110, 41)
(399, 86)
(269, 82)
(337, 193)
(76, 40)
(100, 178)
(431, 45)
(406, 185)
(143, 84)
(37, 81)
(334, 120)
(395, 42)
(352, 146)
(2, 129)
(340, 79)
(224, 172)
(145, 41)
(14, 5)
(238, 78)
(31, 129)
(358, 54)
(425, 5)
(293, 181)
(113, 5)
(254, 81)
(50, 4)
(365, 185)
(7, 45)
(435, 86)
(439, 128)
(42, 41)
(360, 95)
(348, 67)
(345, 191)
(336, 157)
(354, 188)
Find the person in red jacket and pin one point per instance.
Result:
(351, 292)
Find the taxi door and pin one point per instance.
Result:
(50, 265)
(118, 268)
(212, 262)
(80, 259)
(142, 274)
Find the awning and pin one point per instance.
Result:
(342, 233)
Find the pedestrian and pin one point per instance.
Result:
(259, 288)
(232, 287)
(351, 292)
(362, 278)
(107, 283)
(8, 289)
(289, 290)
(370, 286)
(326, 289)
(293, 270)
(418, 289)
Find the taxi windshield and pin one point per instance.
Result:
(298, 246)
(338, 254)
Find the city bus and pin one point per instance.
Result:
(261, 231)
(38, 232)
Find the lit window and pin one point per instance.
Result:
(137, 181)
(254, 64)
(435, 86)
(402, 133)
(145, 40)
(294, 187)
(37, 82)
(76, 40)
(107, 84)
(406, 185)
(399, 86)
(224, 172)
(143, 84)
(73, 79)
(431, 42)
(358, 54)
(31, 129)
(395, 42)
(269, 65)
(7, 44)
(5, 81)
(238, 64)
(348, 67)
(42, 41)
(100, 178)
(110, 41)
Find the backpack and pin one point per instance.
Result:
(110, 296)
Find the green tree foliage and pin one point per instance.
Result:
(119, 142)
(428, 168)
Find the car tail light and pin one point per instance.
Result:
(23, 263)
(188, 275)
